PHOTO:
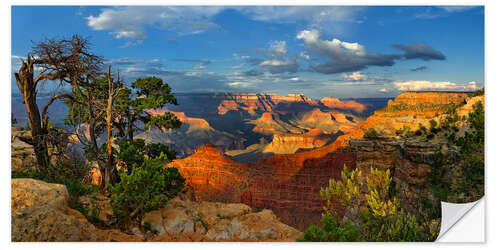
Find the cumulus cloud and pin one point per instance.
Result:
(278, 66)
(130, 22)
(276, 60)
(428, 85)
(304, 56)
(277, 49)
(343, 56)
(354, 76)
(420, 51)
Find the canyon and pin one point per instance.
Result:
(289, 184)
(277, 175)
(238, 124)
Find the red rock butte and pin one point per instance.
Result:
(289, 184)
(333, 102)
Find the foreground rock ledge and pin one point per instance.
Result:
(40, 212)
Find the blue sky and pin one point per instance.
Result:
(339, 51)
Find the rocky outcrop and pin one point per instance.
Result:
(40, 213)
(291, 143)
(412, 98)
(208, 221)
(193, 133)
(288, 184)
(270, 123)
(408, 160)
(252, 102)
(22, 154)
(410, 109)
(349, 105)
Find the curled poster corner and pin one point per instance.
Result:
(451, 213)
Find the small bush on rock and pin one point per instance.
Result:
(146, 188)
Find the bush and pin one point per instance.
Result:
(371, 133)
(433, 123)
(147, 188)
(133, 153)
(331, 230)
(382, 220)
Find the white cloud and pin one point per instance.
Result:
(130, 22)
(304, 55)
(239, 84)
(384, 90)
(276, 61)
(325, 18)
(344, 56)
(294, 79)
(277, 49)
(354, 76)
(428, 85)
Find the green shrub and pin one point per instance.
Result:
(399, 227)
(331, 230)
(422, 128)
(433, 124)
(147, 188)
(371, 133)
(133, 153)
(382, 220)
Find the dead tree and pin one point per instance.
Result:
(68, 61)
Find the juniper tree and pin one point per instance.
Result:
(65, 61)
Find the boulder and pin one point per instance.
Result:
(40, 213)
(213, 221)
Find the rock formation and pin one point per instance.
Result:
(208, 221)
(409, 161)
(22, 154)
(40, 212)
(288, 184)
(350, 105)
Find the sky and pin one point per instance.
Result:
(318, 51)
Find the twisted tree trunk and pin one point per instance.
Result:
(27, 86)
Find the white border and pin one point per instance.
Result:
(492, 13)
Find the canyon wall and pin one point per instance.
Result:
(288, 187)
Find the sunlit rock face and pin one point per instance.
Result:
(335, 103)
(410, 109)
(213, 221)
(288, 184)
